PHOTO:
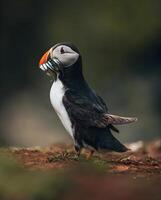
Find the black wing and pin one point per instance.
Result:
(90, 110)
(87, 110)
(106, 110)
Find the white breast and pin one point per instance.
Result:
(56, 95)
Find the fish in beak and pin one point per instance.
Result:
(49, 65)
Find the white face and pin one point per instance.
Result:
(65, 55)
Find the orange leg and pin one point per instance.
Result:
(90, 154)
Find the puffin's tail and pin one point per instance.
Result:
(109, 142)
(118, 120)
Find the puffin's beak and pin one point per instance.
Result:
(47, 64)
(43, 61)
(44, 58)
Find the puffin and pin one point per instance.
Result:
(83, 113)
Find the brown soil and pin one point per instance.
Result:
(143, 163)
(130, 175)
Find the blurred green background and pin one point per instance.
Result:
(120, 42)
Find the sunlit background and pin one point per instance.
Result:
(120, 42)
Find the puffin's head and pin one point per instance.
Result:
(58, 58)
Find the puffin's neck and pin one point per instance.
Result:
(72, 77)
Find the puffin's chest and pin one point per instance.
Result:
(56, 97)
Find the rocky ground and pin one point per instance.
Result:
(132, 175)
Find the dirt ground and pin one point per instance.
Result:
(145, 161)
(132, 175)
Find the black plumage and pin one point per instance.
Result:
(87, 112)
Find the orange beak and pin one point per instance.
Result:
(44, 58)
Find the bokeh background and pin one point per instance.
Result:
(120, 42)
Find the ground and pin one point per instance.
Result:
(132, 175)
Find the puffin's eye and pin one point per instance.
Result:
(62, 50)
